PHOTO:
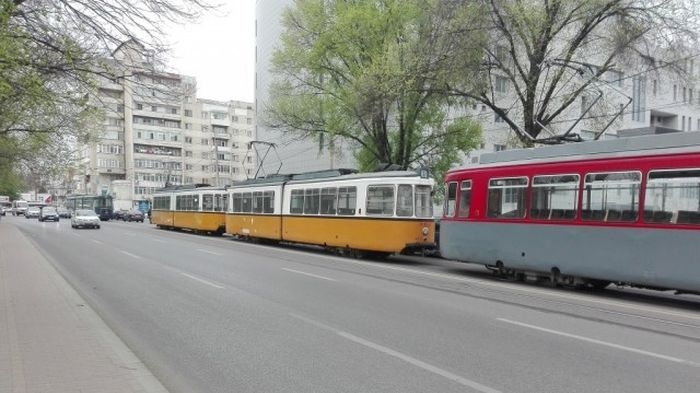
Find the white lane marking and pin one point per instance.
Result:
(203, 281)
(96, 241)
(209, 252)
(500, 285)
(486, 283)
(401, 356)
(309, 274)
(599, 342)
(130, 254)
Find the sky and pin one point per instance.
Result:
(219, 51)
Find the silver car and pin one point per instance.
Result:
(32, 212)
(84, 218)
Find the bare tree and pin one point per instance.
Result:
(54, 54)
(548, 54)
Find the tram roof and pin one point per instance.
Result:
(357, 176)
(648, 144)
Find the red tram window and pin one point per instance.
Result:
(465, 196)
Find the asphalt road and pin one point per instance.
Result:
(211, 314)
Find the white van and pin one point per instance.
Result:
(19, 207)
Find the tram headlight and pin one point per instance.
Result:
(425, 231)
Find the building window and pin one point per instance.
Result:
(188, 153)
(653, 88)
(205, 141)
(188, 139)
(497, 147)
(639, 98)
(188, 112)
(501, 84)
(685, 98)
(188, 167)
(497, 118)
(675, 92)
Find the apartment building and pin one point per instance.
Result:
(157, 132)
(648, 98)
(662, 101)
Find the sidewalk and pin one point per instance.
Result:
(50, 340)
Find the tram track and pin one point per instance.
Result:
(466, 283)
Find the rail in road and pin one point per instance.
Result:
(215, 315)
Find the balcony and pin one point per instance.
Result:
(157, 150)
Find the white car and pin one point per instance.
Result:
(84, 218)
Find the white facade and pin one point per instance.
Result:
(660, 99)
(295, 155)
(156, 132)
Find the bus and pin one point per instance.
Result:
(102, 205)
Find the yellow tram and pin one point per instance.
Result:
(192, 207)
(374, 214)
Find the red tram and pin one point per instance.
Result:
(625, 211)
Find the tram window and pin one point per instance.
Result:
(246, 202)
(296, 205)
(611, 197)
(449, 209)
(220, 202)
(161, 202)
(424, 203)
(311, 200)
(329, 200)
(207, 202)
(237, 202)
(347, 201)
(465, 197)
(268, 202)
(179, 202)
(404, 201)
(507, 198)
(257, 202)
(673, 197)
(380, 200)
(554, 197)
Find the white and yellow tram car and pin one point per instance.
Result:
(376, 213)
(194, 208)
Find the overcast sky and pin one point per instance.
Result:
(219, 51)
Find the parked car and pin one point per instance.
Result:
(85, 218)
(32, 212)
(135, 215)
(63, 212)
(48, 213)
(121, 214)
